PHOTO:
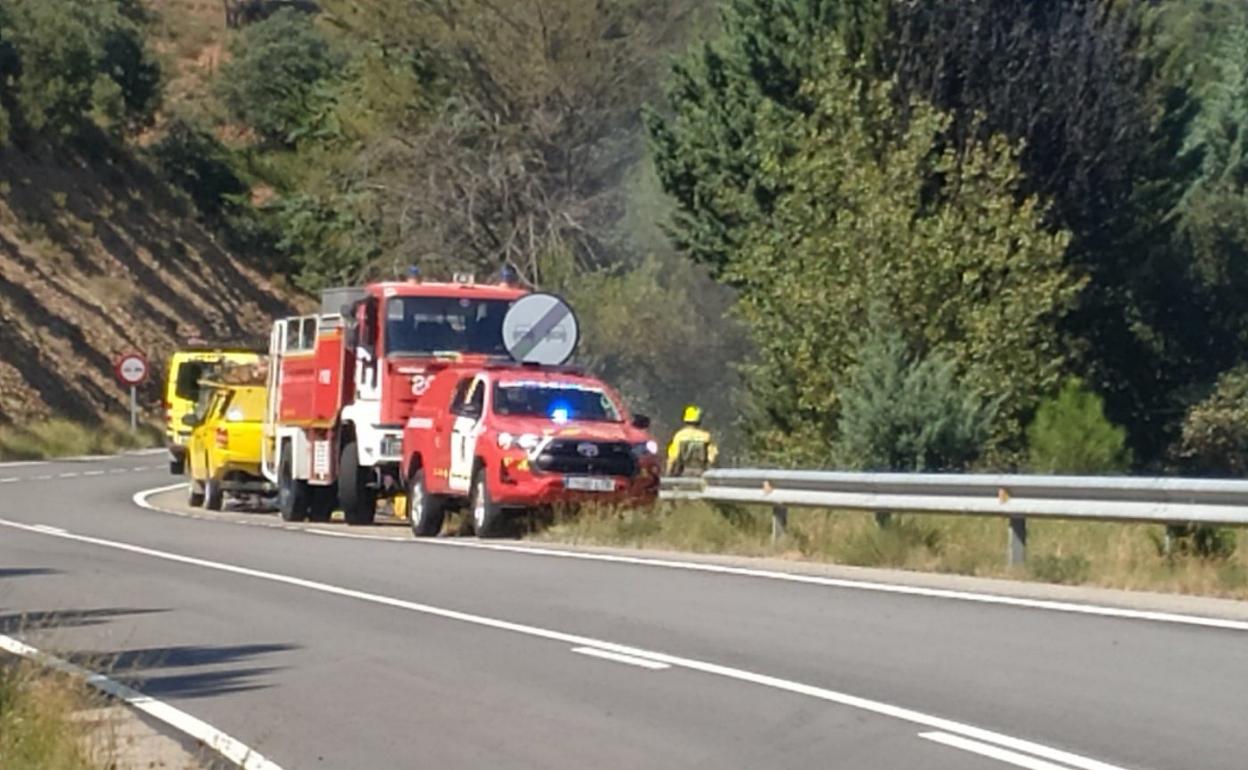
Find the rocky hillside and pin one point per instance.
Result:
(101, 257)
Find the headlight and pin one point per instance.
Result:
(647, 448)
(529, 441)
(505, 440)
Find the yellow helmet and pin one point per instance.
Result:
(693, 414)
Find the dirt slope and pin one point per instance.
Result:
(99, 258)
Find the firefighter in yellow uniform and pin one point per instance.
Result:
(692, 450)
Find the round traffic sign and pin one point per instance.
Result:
(541, 329)
(132, 369)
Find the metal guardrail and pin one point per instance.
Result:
(1111, 498)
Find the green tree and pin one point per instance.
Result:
(278, 76)
(75, 59)
(967, 271)
(1070, 434)
(904, 413)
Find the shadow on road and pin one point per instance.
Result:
(18, 622)
(15, 572)
(186, 671)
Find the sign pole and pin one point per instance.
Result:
(134, 410)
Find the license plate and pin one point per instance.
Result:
(588, 484)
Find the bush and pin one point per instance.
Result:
(277, 78)
(905, 413)
(196, 162)
(1070, 434)
(1214, 440)
(893, 545)
(64, 438)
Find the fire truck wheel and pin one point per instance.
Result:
(323, 500)
(292, 494)
(487, 517)
(359, 500)
(214, 496)
(194, 494)
(426, 512)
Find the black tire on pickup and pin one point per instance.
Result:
(214, 495)
(358, 499)
(488, 518)
(425, 512)
(194, 493)
(177, 465)
(292, 493)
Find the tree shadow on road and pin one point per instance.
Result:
(185, 671)
(37, 620)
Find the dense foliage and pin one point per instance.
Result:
(1071, 434)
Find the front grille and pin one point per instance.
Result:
(614, 458)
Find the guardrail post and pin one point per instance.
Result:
(883, 519)
(1017, 552)
(779, 520)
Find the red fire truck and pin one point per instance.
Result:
(343, 383)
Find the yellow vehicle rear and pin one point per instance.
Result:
(223, 453)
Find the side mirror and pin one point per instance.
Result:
(641, 422)
(190, 421)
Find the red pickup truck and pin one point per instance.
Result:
(507, 437)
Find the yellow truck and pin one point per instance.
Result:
(223, 451)
(186, 369)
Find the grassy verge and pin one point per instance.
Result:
(64, 438)
(1108, 555)
(38, 730)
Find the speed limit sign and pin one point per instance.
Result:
(131, 369)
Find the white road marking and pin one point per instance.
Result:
(830, 696)
(9, 481)
(139, 468)
(42, 478)
(594, 652)
(992, 752)
(23, 464)
(93, 473)
(231, 748)
(117, 470)
(67, 475)
(50, 529)
(141, 500)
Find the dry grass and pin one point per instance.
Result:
(1107, 555)
(64, 438)
(38, 728)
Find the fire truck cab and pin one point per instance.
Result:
(506, 437)
(344, 381)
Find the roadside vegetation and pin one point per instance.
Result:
(39, 727)
(1130, 557)
(64, 438)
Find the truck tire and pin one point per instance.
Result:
(194, 494)
(358, 499)
(425, 512)
(487, 516)
(322, 504)
(214, 496)
(292, 493)
(177, 465)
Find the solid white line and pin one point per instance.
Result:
(9, 481)
(50, 529)
(831, 696)
(141, 500)
(594, 652)
(230, 748)
(992, 752)
(23, 464)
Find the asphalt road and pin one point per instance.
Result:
(327, 652)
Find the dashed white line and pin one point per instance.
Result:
(67, 475)
(713, 669)
(594, 652)
(9, 481)
(42, 478)
(93, 473)
(227, 746)
(992, 752)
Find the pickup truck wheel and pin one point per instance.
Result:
(487, 517)
(359, 500)
(292, 494)
(177, 466)
(425, 512)
(214, 496)
(194, 494)
(323, 501)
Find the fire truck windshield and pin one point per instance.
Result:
(425, 325)
(560, 401)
